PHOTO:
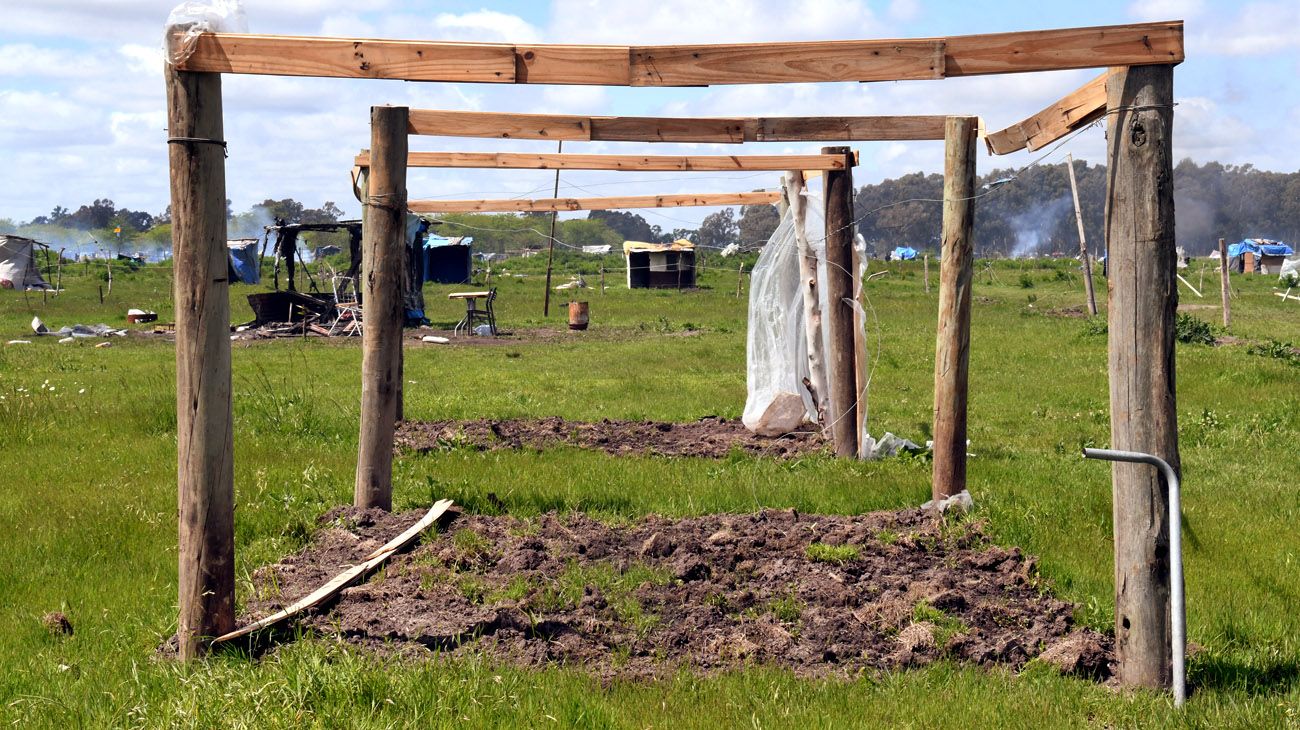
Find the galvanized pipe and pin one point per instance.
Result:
(1178, 610)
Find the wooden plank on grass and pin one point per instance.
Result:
(643, 163)
(346, 578)
(626, 202)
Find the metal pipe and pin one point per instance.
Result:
(1177, 607)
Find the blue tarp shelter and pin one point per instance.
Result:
(448, 260)
(1260, 247)
(245, 264)
(904, 253)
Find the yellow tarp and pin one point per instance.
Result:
(680, 244)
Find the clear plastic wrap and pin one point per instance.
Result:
(189, 20)
(776, 352)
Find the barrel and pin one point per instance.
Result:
(578, 316)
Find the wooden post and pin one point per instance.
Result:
(1143, 302)
(383, 238)
(839, 312)
(1083, 242)
(818, 383)
(925, 267)
(1223, 283)
(952, 343)
(740, 277)
(550, 243)
(204, 434)
(602, 278)
(861, 372)
(58, 286)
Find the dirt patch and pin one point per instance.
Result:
(820, 595)
(1070, 312)
(708, 437)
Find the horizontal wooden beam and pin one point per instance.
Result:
(627, 202)
(704, 130)
(641, 163)
(1080, 107)
(691, 65)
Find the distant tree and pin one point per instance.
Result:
(718, 229)
(757, 222)
(8, 225)
(587, 232)
(677, 234)
(630, 226)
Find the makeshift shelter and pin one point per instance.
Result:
(245, 264)
(904, 253)
(448, 260)
(1258, 256)
(18, 264)
(660, 265)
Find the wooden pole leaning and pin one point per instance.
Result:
(818, 384)
(1143, 300)
(550, 241)
(1083, 241)
(1224, 286)
(204, 435)
(952, 342)
(382, 244)
(839, 310)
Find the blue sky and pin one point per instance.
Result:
(81, 95)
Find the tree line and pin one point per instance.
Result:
(1017, 213)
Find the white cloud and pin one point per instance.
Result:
(713, 21)
(1167, 9)
(486, 25)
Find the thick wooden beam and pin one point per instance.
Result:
(1079, 108)
(1143, 302)
(952, 342)
(204, 436)
(382, 254)
(697, 65)
(704, 130)
(842, 371)
(639, 163)
(809, 284)
(626, 202)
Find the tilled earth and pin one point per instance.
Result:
(820, 595)
(709, 437)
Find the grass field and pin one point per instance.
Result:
(87, 450)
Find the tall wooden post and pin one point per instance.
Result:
(383, 239)
(952, 343)
(818, 382)
(1143, 300)
(839, 312)
(204, 457)
(1083, 242)
(1224, 287)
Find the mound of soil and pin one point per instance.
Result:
(708, 437)
(820, 595)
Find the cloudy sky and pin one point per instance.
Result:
(81, 93)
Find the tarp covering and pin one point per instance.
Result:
(448, 260)
(680, 244)
(18, 264)
(245, 264)
(1260, 247)
(904, 253)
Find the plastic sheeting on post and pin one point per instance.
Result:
(189, 20)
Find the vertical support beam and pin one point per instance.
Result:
(1224, 286)
(952, 343)
(839, 311)
(818, 385)
(383, 238)
(861, 373)
(1143, 299)
(204, 438)
(1083, 241)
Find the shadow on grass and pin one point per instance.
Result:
(1261, 677)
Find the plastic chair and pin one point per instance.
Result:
(348, 318)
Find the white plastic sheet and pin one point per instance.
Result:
(777, 355)
(189, 20)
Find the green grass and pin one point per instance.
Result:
(88, 509)
(820, 552)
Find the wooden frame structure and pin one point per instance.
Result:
(1139, 227)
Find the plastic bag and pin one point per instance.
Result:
(189, 20)
(777, 402)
